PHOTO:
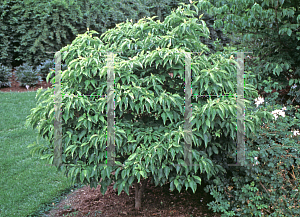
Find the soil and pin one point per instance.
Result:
(156, 201)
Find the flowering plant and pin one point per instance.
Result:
(268, 185)
(276, 112)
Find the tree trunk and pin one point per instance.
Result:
(139, 190)
(159, 14)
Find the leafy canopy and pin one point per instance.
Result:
(149, 105)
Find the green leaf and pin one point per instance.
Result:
(176, 183)
(81, 176)
(126, 189)
(179, 186)
(143, 174)
(132, 156)
(87, 83)
(138, 177)
(120, 188)
(117, 172)
(231, 110)
(207, 122)
(172, 186)
(186, 183)
(193, 185)
(173, 154)
(130, 180)
(177, 168)
(170, 115)
(164, 117)
(160, 153)
(197, 179)
(123, 174)
(82, 134)
(108, 172)
(215, 149)
(127, 172)
(209, 150)
(220, 114)
(167, 171)
(204, 128)
(85, 173)
(222, 109)
(205, 140)
(201, 167)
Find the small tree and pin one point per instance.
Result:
(149, 104)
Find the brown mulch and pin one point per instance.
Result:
(157, 201)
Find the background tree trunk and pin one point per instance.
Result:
(159, 14)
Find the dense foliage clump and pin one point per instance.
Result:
(149, 105)
(26, 75)
(149, 66)
(5, 75)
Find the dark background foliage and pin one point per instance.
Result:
(31, 28)
(271, 30)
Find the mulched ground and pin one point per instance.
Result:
(157, 201)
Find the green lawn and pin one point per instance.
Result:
(27, 186)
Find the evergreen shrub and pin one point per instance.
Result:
(45, 67)
(26, 75)
(5, 74)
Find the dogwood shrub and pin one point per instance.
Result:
(149, 106)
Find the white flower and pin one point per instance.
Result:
(278, 112)
(296, 132)
(27, 86)
(294, 86)
(275, 115)
(259, 100)
(282, 113)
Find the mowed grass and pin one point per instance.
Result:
(27, 186)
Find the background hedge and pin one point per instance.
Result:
(30, 28)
